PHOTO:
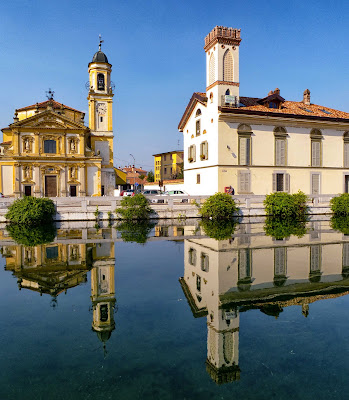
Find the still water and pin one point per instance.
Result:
(182, 316)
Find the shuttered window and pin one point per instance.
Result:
(198, 127)
(244, 150)
(204, 262)
(315, 258)
(316, 153)
(280, 261)
(281, 182)
(346, 155)
(315, 183)
(280, 151)
(192, 153)
(244, 264)
(345, 255)
(192, 256)
(204, 150)
(244, 184)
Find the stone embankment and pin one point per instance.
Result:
(166, 207)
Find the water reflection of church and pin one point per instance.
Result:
(57, 267)
(253, 271)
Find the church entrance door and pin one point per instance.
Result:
(50, 186)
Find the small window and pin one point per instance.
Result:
(281, 182)
(165, 170)
(204, 262)
(102, 190)
(325, 111)
(50, 146)
(198, 283)
(198, 179)
(73, 191)
(100, 81)
(192, 256)
(27, 190)
(101, 119)
(227, 92)
(272, 104)
(104, 312)
(192, 153)
(204, 150)
(198, 127)
(198, 112)
(52, 252)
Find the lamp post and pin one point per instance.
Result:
(134, 177)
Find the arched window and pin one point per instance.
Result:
(244, 132)
(211, 68)
(227, 92)
(228, 67)
(100, 81)
(280, 134)
(198, 112)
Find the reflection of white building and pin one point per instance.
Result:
(223, 278)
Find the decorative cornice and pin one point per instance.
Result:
(237, 84)
(224, 35)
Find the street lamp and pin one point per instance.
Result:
(134, 177)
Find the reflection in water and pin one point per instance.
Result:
(225, 278)
(59, 266)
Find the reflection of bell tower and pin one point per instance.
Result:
(103, 291)
(222, 362)
(100, 104)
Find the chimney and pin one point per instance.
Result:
(306, 97)
(270, 93)
(277, 91)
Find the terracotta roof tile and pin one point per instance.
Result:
(44, 104)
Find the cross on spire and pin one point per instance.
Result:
(49, 94)
(100, 42)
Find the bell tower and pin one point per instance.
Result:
(100, 104)
(222, 66)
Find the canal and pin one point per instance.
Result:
(171, 313)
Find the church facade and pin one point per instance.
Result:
(48, 151)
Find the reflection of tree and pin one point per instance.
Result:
(340, 223)
(281, 228)
(32, 235)
(219, 230)
(135, 231)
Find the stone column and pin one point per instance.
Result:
(82, 181)
(17, 191)
(64, 181)
(82, 144)
(37, 180)
(64, 145)
(36, 142)
(16, 143)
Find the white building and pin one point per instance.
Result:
(258, 145)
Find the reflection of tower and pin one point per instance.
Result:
(103, 290)
(222, 362)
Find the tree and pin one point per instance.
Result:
(141, 176)
(150, 176)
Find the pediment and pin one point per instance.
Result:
(50, 120)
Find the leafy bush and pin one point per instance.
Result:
(340, 223)
(31, 211)
(219, 230)
(286, 205)
(136, 207)
(219, 206)
(32, 235)
(135, 231)
(340, 204)
(281, 228)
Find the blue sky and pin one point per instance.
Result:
(156, 49)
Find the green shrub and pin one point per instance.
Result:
(286, 205)
(219, 230)
(281, 228)
(219, 206)
(340, 223)
(31, 211)
(340, 204)
(136, 207)
(32, 235)
(137, 232)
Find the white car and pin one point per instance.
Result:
(175, 193)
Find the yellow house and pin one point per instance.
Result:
(168, 165)
(48, 151)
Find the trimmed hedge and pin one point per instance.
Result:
(340, 204)
(32, 235)
(219, 206)
(281, 228)
(31, 211)
(286, 205)
(134, 208)
(217, 229)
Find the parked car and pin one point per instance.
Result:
(151, 192)
(128, 192)
(171, 193)
(175, 193)
(1, 195)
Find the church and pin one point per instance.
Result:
(49, 151)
